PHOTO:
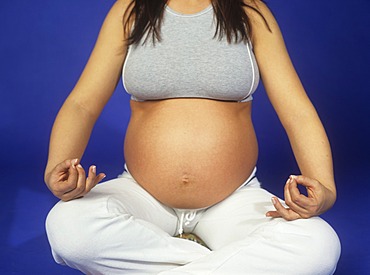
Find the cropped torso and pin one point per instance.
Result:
(189, 61)
(190, 141)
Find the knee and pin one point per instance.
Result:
(322, 246)
(64, 230)
(71, 232)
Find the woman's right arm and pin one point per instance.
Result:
(75, 120)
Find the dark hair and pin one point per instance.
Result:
(232, 20)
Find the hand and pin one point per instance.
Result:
(318, 200)
(68, 181)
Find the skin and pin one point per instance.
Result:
(67, 179)
(195, 153)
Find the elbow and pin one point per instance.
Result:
(298, 119)
(85, 110)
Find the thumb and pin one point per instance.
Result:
(305, 181)
(65, 165)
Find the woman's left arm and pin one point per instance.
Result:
(300, 120)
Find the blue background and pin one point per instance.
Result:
(44, 46)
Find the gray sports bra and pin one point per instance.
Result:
(190, 62)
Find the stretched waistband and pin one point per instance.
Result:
(188, 218)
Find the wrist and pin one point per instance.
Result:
(47, 176)
(331, 197)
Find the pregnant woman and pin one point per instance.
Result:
(190, 149)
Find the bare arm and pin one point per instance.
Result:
(75, 120)
(298, 117)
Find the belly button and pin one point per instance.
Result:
(185, 179)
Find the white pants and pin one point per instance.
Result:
(118, 228)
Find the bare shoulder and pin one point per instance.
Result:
(103, 69)
(262, 20)
(280, 79)
(112, 30)
(257, 7)
(120, 7)
(123, 4)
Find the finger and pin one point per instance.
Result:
(72, 179)
(100, 177)
(303, 212)
(66, 182)
(288, 198)
(92, 172)
(91, 180)
(306, 181)
(285, 213)
(92, 175)
(314, 188)
(65, 165)
(300, 202)
(80, 184)
(273, 214)
(60, 171)
(315, 194)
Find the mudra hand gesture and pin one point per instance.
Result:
(318, 200)
(68, 180)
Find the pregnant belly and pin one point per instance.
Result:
(190, 153)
